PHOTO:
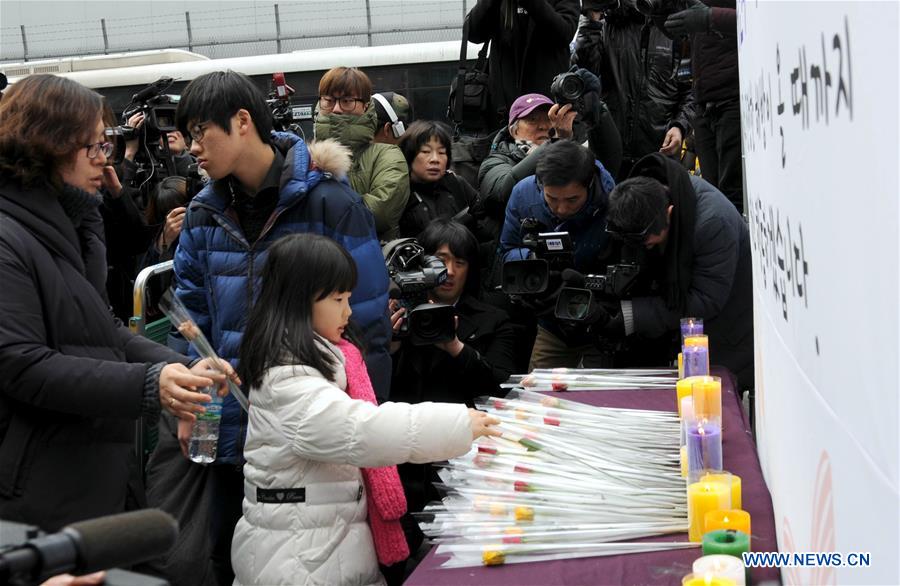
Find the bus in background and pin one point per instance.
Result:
(422, 72)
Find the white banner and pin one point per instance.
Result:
(819, 106)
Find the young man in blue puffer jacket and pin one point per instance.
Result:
(264, 185)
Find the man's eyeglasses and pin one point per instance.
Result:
(633, 238)
(99, 147)
(198, 131)
(346, 103)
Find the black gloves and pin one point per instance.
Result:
(608, 319)
(694, 19)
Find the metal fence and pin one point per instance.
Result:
(244, 30)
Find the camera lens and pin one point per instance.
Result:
(571, 87)
(577, 306)
(532, 283)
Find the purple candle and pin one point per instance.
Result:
(691, 326)
(696, 361)
(704, 446)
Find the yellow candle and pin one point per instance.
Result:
(684, 461)
(701, 340)
(680, 365)
(735, 486)
(707, 580)
(702, 498)
(728, 519)
(685, 388)
(707, 394)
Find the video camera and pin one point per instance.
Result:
(579, 303)
(154, 161)
(279, 102)
(532, 276)
(413, 273)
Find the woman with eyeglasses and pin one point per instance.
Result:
(378, 172)
(73, 379)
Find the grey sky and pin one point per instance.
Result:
(73, 27)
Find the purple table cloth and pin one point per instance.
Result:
(662, 567)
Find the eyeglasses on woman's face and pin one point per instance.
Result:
(99, 147)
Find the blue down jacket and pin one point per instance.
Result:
(217, 270)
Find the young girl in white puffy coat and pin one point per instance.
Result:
(305, 499)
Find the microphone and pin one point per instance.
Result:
(154, 89)
(573, 278)
(90, 546)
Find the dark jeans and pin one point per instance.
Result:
(226, 497)
(717, 130)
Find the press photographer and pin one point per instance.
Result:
(577, 114)
(152, 145)
(474, 362)
(700, 251)
(413, 274)
(568, 193)
(646, 77)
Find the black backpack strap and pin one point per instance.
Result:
(461, 74)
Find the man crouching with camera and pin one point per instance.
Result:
(469, 360)
(568, 197)
(461, 360)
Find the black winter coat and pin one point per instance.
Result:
(525, 58)
(635, 62)
(71, 376)
(720, 286)
(714, 55)
(444, 198)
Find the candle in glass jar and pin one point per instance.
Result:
(733, 480)
(704, 497)
(728, 519)
(696, 361)
(691, 326)
(706, 580)
(698, 340)
(704, 446)
(721, 566)
(707, 394)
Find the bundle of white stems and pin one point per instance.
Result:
(565, 480)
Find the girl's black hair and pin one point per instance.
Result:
(461, 242)
(300, 270)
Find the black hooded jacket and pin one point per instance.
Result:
(708, 272)
(636, 62)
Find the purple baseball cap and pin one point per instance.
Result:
(524, 105)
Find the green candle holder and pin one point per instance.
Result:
(727, 542)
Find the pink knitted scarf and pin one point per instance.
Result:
(386, 500)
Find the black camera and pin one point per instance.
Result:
(285, 114)
(568, 88)
(413, 273)
(579, 303)
(532, 276)
(153, 161)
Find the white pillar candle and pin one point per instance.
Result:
(721, 566)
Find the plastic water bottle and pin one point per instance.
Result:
(205, 433)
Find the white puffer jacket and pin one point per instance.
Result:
(307, 432)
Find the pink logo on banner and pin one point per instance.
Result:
(822, 528)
